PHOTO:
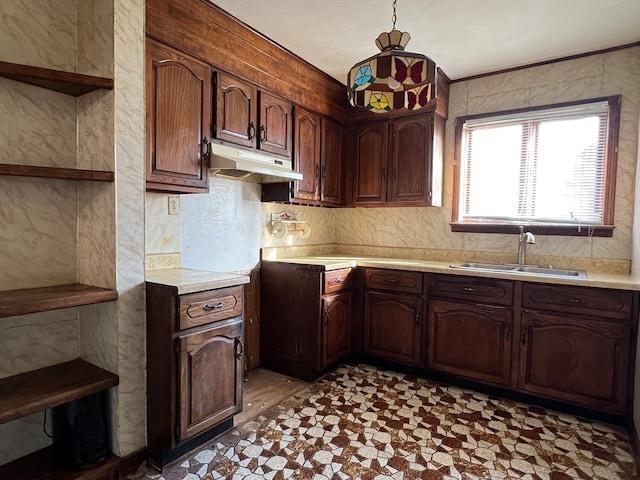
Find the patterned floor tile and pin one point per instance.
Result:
(361, 422)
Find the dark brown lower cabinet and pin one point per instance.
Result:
(210, 384)
(305, 318)
(393, 327)
(576, 359)
(194, 367)
(336, 312)
(471, 341)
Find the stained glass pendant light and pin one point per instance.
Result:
(393, 79)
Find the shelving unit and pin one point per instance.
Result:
(42, 465)
(55, 172)
(69, 83)
(33, 300)
(37, 390)
(31, 392)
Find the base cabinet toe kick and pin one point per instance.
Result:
(567, 344)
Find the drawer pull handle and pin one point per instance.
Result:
(339, 280)
(391, 280)
(469, 289)
(574, 300)
(217, 306)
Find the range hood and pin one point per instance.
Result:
(250, 166)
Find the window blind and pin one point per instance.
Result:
(542, 166)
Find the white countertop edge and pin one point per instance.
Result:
(594, 279)
(189, 280)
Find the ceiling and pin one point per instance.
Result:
(463, 37)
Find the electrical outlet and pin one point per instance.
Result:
(174, 205)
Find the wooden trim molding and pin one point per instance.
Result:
(547, 62)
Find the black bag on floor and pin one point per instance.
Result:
(80, 432)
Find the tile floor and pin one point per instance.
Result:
(361, 422)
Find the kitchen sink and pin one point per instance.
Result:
(522, 269)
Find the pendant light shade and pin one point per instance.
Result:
(392, 79)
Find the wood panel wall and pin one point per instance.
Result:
(205, 31)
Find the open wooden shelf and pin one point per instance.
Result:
(55, 172)
(42, 465)
(70, 83)
(33, 300)
(37, 390)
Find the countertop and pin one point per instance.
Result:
(594, 279)
(189, 280)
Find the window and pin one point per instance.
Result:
(551, 168)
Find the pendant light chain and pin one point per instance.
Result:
(394, 17)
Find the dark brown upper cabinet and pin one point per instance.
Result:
(318, 156)
(396, 162)
(307, 155)
(178, 120)
(252, 118)
(332, 159)
(371, 163)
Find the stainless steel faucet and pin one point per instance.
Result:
(525, 237)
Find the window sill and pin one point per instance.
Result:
(565, 230)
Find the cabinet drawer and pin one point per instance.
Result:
(393, 280)
(210, 306)
(586, 300)
(336, 280)
(475, 289)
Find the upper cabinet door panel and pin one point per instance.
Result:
(178, 117)
(410, 160)
(274, 134)
(236, 103)
(371, 163)
(307, 155)
(331, 169)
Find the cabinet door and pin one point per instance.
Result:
(574, 359)
(307, 155)
(331, 162)
(210, 383)
(274, 134)
(371, 163)
(472, 341)
(236, 111)
(178, 119)
(410, 163)
(336, 311)
(393, 326)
